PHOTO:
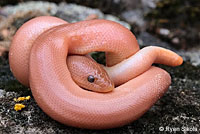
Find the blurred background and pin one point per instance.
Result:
(174, 21)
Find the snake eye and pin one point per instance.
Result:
(91, 78)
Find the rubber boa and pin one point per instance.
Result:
(38, 59)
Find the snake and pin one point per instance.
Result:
(48, 53)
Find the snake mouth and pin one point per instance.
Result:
(108, 89)
(105, 90)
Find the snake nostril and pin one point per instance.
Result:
(91, 78)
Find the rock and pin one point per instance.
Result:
(9, 26)
(147, 39)
(163, 31)
(113, 18)
(135, 11)
(68, 12)
(74, 13)
(180, 106)
(144, 5)
(149, 4)
(2, 93)
(134, 17)
(176, 40)
(44, 7)
(191, 55)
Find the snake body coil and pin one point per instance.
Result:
(38, 58)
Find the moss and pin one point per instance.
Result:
(103, 5)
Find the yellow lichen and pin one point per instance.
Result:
(19, 106)
(28, 97)
(21, 98)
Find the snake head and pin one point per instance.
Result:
(88, 74)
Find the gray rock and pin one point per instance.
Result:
(147, 5)
(2, 93)
(116, 19)
(68, 12)
(147, 39)
(142, 4)
(134, 17)
(44, 7)
(192, 55)
(135, 11)
(74, 13)
(180, 106)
